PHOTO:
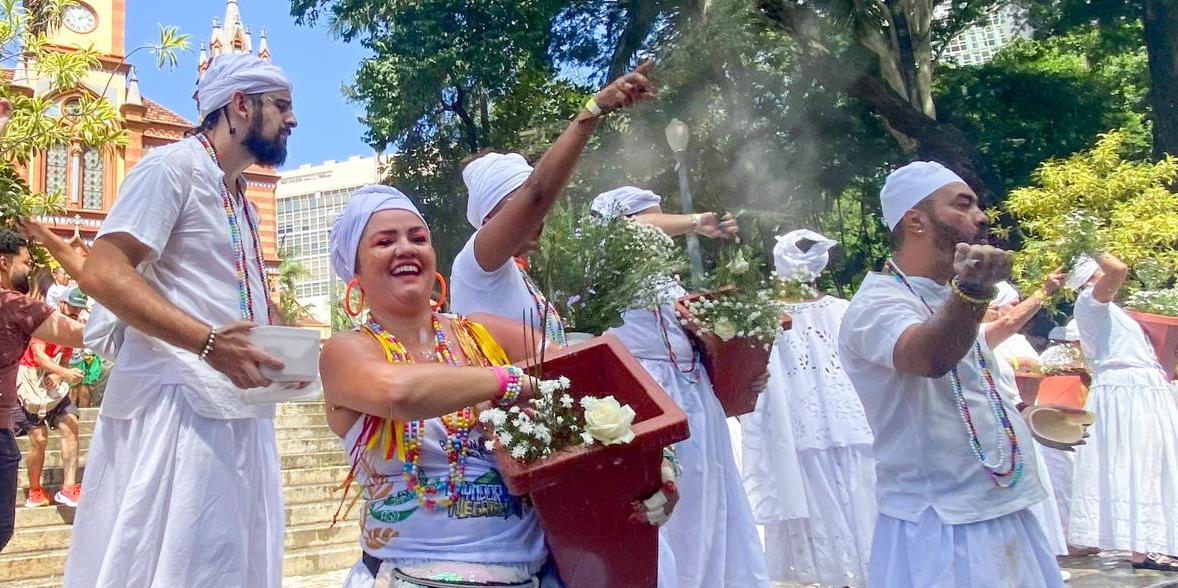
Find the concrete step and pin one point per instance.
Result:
(283, 410)
(318, 560)
(47, 582)
(320, 489)
(26, 566)
(280, 435)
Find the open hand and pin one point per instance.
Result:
(235, 355)
(714, 227)
(627, 90)
(1055, 281)
(980, 267)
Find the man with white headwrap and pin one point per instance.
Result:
(808, 464)
(712, 534)
(182, 481)
(506, 204)
(1125, 483)
(955, 475)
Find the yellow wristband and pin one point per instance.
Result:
(972, 300)
(593, 108)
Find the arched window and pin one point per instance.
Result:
(56, 166)
(92, 179)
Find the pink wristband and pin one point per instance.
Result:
(502, 376)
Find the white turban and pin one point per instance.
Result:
(349, 225)
(1006, 295)
(1071, 332)
(1082, 271)
(626, 201)
(908, 186)
(236, 72)
(791, 262)
(489, 179)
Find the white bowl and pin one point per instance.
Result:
(297, 348)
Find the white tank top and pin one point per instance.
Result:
(486, 525)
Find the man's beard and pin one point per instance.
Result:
(946, 237)
(20, 283)
(269, 152)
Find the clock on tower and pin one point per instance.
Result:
(79, 18)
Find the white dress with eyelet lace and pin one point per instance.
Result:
(807, 457)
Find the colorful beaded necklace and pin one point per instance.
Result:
(245, 294)
(1003, 477)
(553, 325)
(458, 426)
(686, 374)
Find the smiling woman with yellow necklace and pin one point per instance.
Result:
(401, 392)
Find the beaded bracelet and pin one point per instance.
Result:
(510, 384)
(968, 298)
(208, 348)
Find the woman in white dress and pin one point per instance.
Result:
(1125, 488)
(819, 520)
(712, 535)
(400, 393)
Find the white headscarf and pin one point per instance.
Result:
(236, 72)
(626, 201)
(908, 186)
(1006, 295)
(792, 263)
(1083, 270)
(349, 225)
(489, 179)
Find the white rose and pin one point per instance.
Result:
(724, 329)
(738, 265)
(608, 421)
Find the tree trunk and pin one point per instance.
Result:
(1161, 41)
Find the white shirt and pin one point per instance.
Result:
(922, 450)
(171, 203)
(53, 296)
(1110, 338)
(501, 292)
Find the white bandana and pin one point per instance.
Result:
(349, 225)
(236, 72)
(793, 264)
(908, 186)
(1082, 271)
(489, 179)
(626, 201)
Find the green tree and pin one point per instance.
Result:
(290, 271)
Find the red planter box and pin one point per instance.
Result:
(1028, 386)
(733, 365)
(1162, 332)
(583, 497)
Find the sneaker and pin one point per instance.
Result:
(36, 498)
(69, 495)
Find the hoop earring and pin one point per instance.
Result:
(354, 282)
(441, 301)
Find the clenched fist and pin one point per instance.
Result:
(980, 267)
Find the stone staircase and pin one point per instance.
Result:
(312, 464)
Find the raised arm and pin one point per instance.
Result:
(59, 248)
(707, 224)
(934, 347)
(525, 208)
(1113, 274)
(356, 376)
(1013, 321)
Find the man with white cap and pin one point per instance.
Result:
(955, 477)
(182, 481)
(809, 441)
(712, 536)
(1125, 484)
(507, 203)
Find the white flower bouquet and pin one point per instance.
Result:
(553, 422)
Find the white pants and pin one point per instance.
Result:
(1007, 552)
(176, 499)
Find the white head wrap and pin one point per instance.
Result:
(791, 262)
(1071, 332)
(236, 72)
(1083, 270)
(908, 186)
(349, 225)
(1006, 295)
(489, 179)
(626, 201)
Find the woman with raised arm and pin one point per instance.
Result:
(1125, 486)
(400, 392)
(507, 203)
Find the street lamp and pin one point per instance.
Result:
(678, 135)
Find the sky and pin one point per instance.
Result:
(316, 63)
